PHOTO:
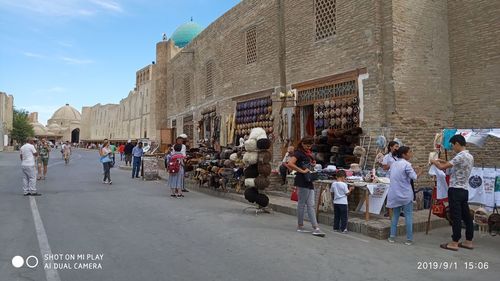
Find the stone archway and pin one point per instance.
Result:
(75, 136)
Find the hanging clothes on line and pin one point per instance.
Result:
(441, 185)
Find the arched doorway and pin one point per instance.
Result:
(75, 136)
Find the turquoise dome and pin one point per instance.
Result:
(185, 33)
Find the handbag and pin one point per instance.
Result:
(439, 209)
(295, 195)
(494, 222)
(105, 159)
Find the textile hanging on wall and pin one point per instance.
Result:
(441, 185)
(475, 186)
(489, 176)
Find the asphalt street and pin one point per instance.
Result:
(134, 231)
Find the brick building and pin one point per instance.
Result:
(414, 67)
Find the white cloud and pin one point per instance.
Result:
(34, 55)
(63, 8)
(108, 5)
(76, 61)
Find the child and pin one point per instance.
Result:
(340, 191)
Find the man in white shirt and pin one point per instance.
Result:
(28, 154)
(458, 195)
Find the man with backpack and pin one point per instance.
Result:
(175, 169)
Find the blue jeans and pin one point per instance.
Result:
(136, 166)
(408, 211)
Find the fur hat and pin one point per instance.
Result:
(257, 133)
(250, 158)
(228, 164)
(264, 157)
(264, 169)
(251, 145)
(264, 144)
(262, 182)
(233, 157)
(250, 182)
(215, 169)
(251, 194)
(251, 171)
(262, 200)
(359, 151)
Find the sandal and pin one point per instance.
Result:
(445, 246)
(464, 246)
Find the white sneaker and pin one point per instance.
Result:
(391, 240)
(408, 243)
(303, 230)
(345, 231)
(318, 232)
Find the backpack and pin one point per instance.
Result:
(174, 164)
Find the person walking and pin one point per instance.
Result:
(400, 196)
(302, 162)
(121, 150)
(137, 153)
(128, 153)
(43, 159)
(175, 169)
(66, 152)
(105, 159)
(340, 190)
(113, 148)
(283, 166)
(28, 154)
(458, 196)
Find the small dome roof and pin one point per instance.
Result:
(185, 33)
(39, 129)
(68, 113)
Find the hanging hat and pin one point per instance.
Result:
(251, 171)
(264, 169)
(359, 151)
(250, 182)
(264, 157)
(257, 133)
(262, 200)
(334, 149)
(262, 182)
(264, 144)
(251, 145)
(251, 194)
(250, 158)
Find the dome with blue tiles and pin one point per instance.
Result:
(186, 33)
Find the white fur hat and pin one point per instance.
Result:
(233, 157)
(257, 133)
(251, 145)
(250, 182)
(250, 158)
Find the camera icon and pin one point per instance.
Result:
(31, 261)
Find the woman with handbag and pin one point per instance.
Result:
(302, 161)
(105, 154)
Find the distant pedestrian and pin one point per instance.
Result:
(182, 140)
(43, 159)
(128, 153)
(400, 196)
(28, 154)
(113, 148)
(340, 190)
(121, 150)
(66, 152)
(137, 153)
(175, 168)
(458, 195)
(302, 162)
(105, 159)
(283, 166)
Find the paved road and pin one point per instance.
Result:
(142, 234)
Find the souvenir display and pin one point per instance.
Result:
(253, 113)
(336, 113)
(258, 168)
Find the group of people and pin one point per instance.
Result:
(401, 191)
(34, 155)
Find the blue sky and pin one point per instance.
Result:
(85, 52)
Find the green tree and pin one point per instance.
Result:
(22, 128)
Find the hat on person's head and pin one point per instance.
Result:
(129, 141)
(184, 136)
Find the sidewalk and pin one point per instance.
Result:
(377, 227)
